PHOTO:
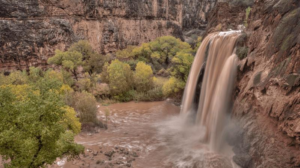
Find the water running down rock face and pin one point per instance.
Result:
(208, 92)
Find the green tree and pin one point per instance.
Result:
(173, 86)
(120, 77)
(15, 78)
(33, 132)
(126, 53)
(161, 51)
(181, 65)
(69, 60)
(143, 77)
(91, 60)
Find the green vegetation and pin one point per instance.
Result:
(42, 110)
(284, 38)
(143, 77)
(248, 10)
(242, 52)
(120, 78)
(36, 125)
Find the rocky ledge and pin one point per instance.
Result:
(31, 30)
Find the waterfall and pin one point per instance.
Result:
(207, 96)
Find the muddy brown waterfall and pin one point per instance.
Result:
(210, 84)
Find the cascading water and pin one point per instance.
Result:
(216, 57)
(194, 138)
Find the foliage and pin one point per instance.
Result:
(33, 131)
(80, 54)
(173, 86)
(181, 65)
(198, 43)
(248, 10)
(101, 90)
(160, 52)
(126, 53)
(85, 105)
(284, 38)
(104, 75)
(84, 84)
(16, 78)
(120, 77)
(69, 60)
(242, 52)
(143, 77)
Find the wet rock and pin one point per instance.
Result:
(109, 153)
(243, 160)
(95, 153)
(134, 154)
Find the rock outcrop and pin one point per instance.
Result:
(31, 30)
(267, 99)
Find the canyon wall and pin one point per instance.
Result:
(267, 98)
(31, 30)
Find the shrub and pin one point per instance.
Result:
(143, 77)
(248, 10)
(173, 86)
(104, 75)
(181, 65)
(120, 78)
(126, 53)
(85, 105)
(101, 90)
(15, 78)
(242, 52)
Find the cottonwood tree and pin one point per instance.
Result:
(143, 77)
(35, 127)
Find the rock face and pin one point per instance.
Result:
(267, 100)
(31, 30)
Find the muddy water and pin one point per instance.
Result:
(145, 135)
(132, 136)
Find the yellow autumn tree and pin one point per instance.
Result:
(143, 77)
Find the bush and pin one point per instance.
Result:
(143, 77)
(84, 84)
(85, 105)
(101, 90)
(126, 53)
(120, 78)
(181, 65)
(173, 86)
(242, 52)
(15, 78)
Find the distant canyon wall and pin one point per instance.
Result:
(31, 30)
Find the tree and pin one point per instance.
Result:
(181, 65)
(173, 86)
(126, 53)
(69, 60)
(33, 127)
(120, 77)
(161, 51)
(143, 77)
(91, 60)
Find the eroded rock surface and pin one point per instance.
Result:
(31, 30)
(267, 104)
